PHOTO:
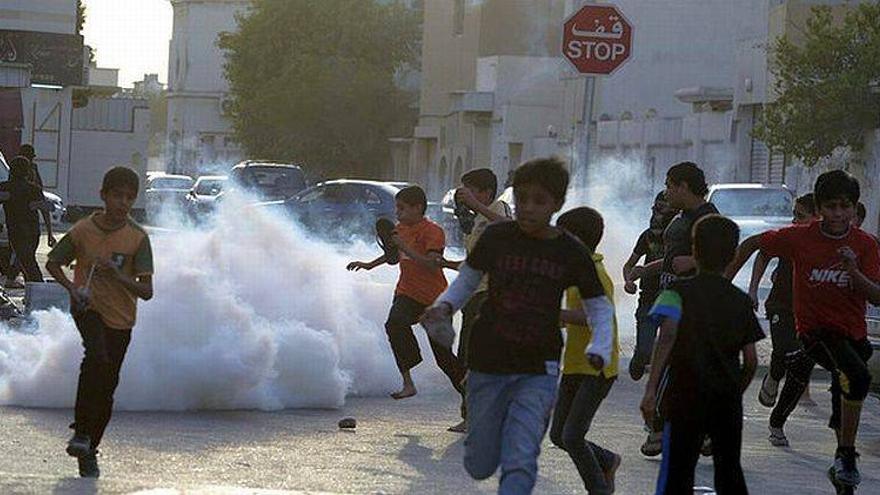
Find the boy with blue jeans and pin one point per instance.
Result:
(515, 344)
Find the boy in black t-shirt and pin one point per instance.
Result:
(22, 199)
(650, 246)
(516, 342)
(706, 323)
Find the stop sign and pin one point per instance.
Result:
(597, 39)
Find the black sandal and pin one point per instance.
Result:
(384, 234)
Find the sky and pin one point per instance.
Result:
(130, 35)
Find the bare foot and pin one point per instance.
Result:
(405, 392)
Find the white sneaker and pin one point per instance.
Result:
(777, 437)
(769, 390)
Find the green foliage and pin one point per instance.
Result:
(80, 16)
(315, 82)
(824, 85)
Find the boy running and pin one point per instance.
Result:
(584, 387)
(782, 331)
(421, 243)
(686, 191)
(515, 344)
(650, 246)
(705, 324)
(836, 270)
(114, 268)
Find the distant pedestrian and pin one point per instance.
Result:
(114, 268)
(21, 202)
(28, 152)
(513, 361)
(707, 324)
(583, 386)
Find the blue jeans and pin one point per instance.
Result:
(507, 419)
(646, 332)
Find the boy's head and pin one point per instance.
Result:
(539, 187)
(483, 184)
(861, 213)
(119, 191)
(27, 151)
(837, 194)
(411, 204)
(805, 209)
(20, 168)
(715, 241)
(684, 183)
(661, 212)
(584, 223)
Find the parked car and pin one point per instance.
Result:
(163, 190)
(266, 180)
(202, 198)
(341, 209)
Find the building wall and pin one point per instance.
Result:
(48, 16)
(197, 87)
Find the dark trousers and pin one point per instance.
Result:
(25, 244)
(845, 358)
(722, 421)
(469, 315)
(646, 331)
(787, 355)
(98, 374)
(785, 342)
(406, 312)
(576, 404)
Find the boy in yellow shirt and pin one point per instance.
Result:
(583, 386)
(114, 268)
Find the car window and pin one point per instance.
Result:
(211, 187)
(753, 202)
(171, 183)
(368, 196)
(278, 181)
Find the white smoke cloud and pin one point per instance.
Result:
(249, 312)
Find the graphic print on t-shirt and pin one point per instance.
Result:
(834, 274)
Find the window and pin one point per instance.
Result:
(458, 18)
(369, 197)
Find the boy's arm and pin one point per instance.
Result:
(465, 195)
(47, 219)
(758, 270)
(659, 360)
(652, 268)
(743, 253)
(54, 268)
(431, 259)
(141, 285)
(629, 282)
(456, 295)
(369, 265)
(750, 364)
(861, 282)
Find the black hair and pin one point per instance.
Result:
(836, 184)
(483, 179)
(27, 151)
(715, 241)
(548, 173)
(808, 201)
(861, 211)
(660, 197)
(690, 174)
(121, 177)
(413, 196)
(20, 167)
(585, 223)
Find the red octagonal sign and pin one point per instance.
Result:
(597, 39)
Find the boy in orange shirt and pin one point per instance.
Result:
(421, 243)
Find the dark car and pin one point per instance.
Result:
(341, 209)
(267, 181)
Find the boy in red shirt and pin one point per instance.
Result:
(421, 243)
(836, 269)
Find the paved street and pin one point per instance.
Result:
(398, 447)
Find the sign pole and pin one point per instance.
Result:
(586, 136)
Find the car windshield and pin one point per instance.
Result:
(753, 202)
(278, 181)
(210, 187)
(171, 183)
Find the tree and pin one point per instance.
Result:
(315, 82)
(80, 16)
(825, 85)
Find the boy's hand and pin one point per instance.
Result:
(51, 241)
(637, 272)
(356, 266)
(437, 313)
(464, 196)
(80, 299)
(630, 287)
(648, 406)
(850, 260)
(682, 264)
(596, 361)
